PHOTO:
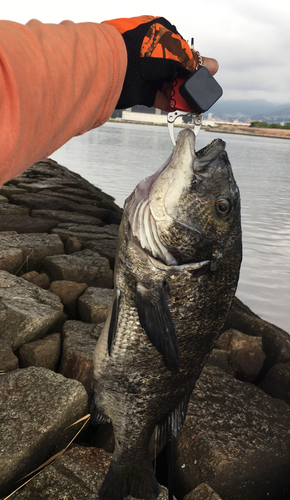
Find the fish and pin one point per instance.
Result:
(177, 266)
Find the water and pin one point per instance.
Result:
(117, 156)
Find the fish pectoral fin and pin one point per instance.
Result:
(155, 318)
(114, 319)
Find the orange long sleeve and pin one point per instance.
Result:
(56, 81)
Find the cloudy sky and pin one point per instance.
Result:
(249, 38)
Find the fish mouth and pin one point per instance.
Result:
(156, 198)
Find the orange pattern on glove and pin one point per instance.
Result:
(129, 23)
(161, 42)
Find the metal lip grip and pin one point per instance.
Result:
(191, 97)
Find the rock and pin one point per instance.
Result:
(77, 352)
(55, 201)
(76, 475)
(44, 352)
(68, 292)
(73, 245)
(277, 382)
(6, 210)
(68, 217)
(3, 199)
(42, 280)
(235, 438)
(34, 277)
(8, 360)
(83, 267)
(105, 247)
(219, 358)
(9, 189)
(95, 304)
(10, 259)
(276, 342)
(36, 408)
(42, 186)
(88, 232)
(42, 201)
(24, 224)
(34, 247)
(26, 311)
(202, 492)
(245, 353)
(30, 276)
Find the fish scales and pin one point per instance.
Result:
(177, 267)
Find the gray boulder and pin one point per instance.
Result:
(72, 245)
(34, 277)
(276, 342)
(27, 312)
(219, 358)
(77, 475)
(9, 189)
(236, 439)
(94, 305)
(245, 353)
(85, 266)
(10, 259)
(8, 360)
(7, 209)
(77, 352)
(86, 232)
(68, 292)
(105, 247)
(26, 224)
(44, 352)
(202, 492)
(277, 382)
(36, 408)
(68, 217)
(34, 247)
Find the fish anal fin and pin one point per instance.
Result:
(96, 417)
(137, 480)
(155, 318)
(169, 427)
(114, 319)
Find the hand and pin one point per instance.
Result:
(163, 96)
(156, 52)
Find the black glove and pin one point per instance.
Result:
(156, 52)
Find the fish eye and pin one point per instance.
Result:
(223, 206)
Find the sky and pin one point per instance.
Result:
(249, 38)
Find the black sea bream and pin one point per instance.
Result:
(177, 267)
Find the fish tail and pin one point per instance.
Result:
(137, 481)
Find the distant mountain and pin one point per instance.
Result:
(255, 109)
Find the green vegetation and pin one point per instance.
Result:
(269, 125)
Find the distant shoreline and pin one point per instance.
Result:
(225, 129)
(252, 131)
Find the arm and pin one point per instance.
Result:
(56, 81)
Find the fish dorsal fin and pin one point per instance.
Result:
(114, 319)
(155, 318)
(171, 424)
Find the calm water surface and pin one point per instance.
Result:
(117, 156)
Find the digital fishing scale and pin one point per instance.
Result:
(193, 96)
